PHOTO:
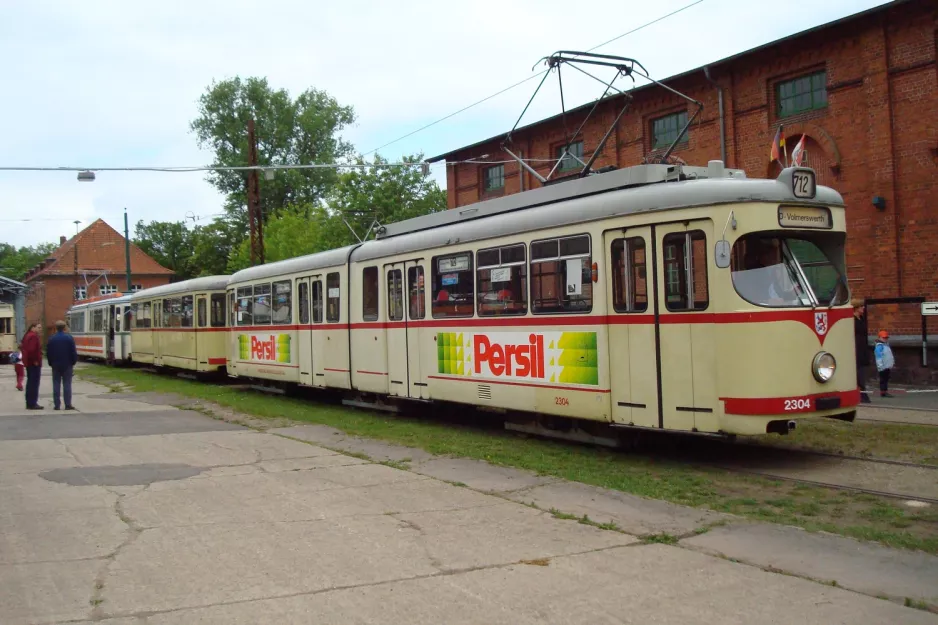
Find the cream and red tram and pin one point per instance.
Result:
(181, 325)
(659, 296)
(100, 327)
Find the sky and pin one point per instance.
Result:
(116, 84)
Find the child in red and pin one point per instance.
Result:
(17, 359)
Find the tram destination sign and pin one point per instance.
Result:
(804, 217)
(929, 308)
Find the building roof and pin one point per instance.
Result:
(9, 284)
(821, 27)
(97, 254)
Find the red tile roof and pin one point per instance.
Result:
(100, 249)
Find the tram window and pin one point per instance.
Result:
(202, 312)
(685, 271)
(282, 303)
(333, 297)
(317, 301)
(370, 293)
(416, 293)
(629, 288)
(185, 311)
(561, 275)
(395, 295)
(245, 306)
(97, 320)
(303, 294)
(117, 319)
(262, 304)
(782, 271)
(453, 290)
(232, 322)
(503, 281)
(217, 318)
(129, 315)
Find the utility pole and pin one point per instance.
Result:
(255, 219)
(75, 249)
(127, 250)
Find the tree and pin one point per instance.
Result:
(361, 196)
(385, 194)
(168, 243)
(289, 132)
(15, 262)
(214, 244)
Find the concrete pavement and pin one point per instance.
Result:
(135, 512)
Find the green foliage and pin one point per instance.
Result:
(168, 243)
(289, 132)
(15, 262)
(387, 194)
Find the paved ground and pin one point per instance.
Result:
(135, 512)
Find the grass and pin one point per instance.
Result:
(856, 515)
(910, 443)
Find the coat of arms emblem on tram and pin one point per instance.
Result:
(820, 323)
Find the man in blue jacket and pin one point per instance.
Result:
(62, 356)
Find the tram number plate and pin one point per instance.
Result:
(803, 185)
(562, 401)
(797, 404)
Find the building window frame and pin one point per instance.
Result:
(493, 179)
(569, 163)
(665, 129)
(805, 93)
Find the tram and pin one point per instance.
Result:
(101, 328)
(663, 297)
(181, 325)
(8, 339)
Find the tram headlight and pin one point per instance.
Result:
(823, 366)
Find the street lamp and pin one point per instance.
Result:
(86, 176)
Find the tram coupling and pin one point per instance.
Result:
(780, 427)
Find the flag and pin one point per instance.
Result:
(797, 155)
(778, 146)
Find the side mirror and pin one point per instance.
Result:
(721, 253)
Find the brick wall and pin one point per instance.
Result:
(877, 136)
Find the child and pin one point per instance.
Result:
(884, 362)
(17, 359)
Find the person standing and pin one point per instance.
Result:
(885, 361)
(32, 359)
(17, 359)
(861, 339)
(62, 356)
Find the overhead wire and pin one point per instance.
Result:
(531, 77)
(263, 168)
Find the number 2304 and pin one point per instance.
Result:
(797, 404)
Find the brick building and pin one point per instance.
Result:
(862, 89)
(90, 264)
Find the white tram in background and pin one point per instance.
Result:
(101, 328)
(182, 325)
(8, 339)
(659, 296)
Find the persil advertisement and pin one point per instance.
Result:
(264, 348)
(540, 357)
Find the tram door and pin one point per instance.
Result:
(111, 334)
(301, 288)
(317, 335)
(398, 375)
(406, 305)
(685, 327)
(632, 354)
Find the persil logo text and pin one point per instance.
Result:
(264, 349)
(513, 360)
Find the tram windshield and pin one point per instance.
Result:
(785, 270)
